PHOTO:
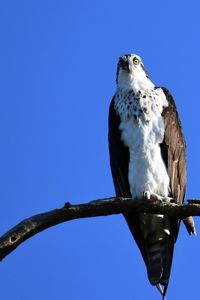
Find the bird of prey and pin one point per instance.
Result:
(147, 157)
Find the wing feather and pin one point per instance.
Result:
(173, 150)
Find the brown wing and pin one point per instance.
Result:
(174, 150)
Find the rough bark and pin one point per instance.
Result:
(103, 207)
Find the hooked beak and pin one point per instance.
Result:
(127, 66)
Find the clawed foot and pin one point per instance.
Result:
(155, 197)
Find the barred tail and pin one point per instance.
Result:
(154, 261)
(158, 261)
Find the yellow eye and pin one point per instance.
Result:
(136, 61)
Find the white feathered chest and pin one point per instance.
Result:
(142, 131)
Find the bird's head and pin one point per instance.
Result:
(131, 73)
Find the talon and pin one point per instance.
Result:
(147, 195)
(160, 199)
(168, 200)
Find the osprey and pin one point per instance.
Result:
(147, 157)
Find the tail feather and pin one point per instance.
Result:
(162, 290)
(167, 261)
(154, 262)
(158, 261)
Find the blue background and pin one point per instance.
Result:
(57, 76)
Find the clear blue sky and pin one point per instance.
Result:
(57, 76)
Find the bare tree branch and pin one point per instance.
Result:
(103, 207)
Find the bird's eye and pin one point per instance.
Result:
(136, 61)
